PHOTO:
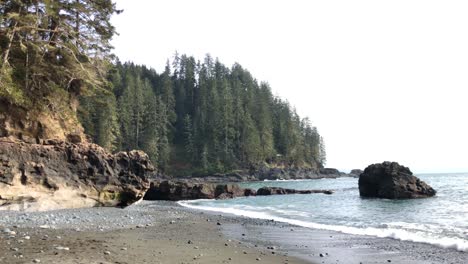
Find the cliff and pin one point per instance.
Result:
(58, 174)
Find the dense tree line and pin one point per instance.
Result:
(199, 117)
(195, 117)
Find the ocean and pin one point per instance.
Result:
(441, 220)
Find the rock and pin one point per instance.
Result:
(62, 248)
(250, 192)
(107, 253)
(392, 181)
(264, 172)
(36, 261)
(74, 138)
(175, 191)
(279, 191)
(181, 190)
(224, 191)
(65, 175)
(355, 173)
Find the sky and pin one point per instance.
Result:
(381, 80)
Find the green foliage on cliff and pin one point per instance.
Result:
(48, 46)
(200, 118)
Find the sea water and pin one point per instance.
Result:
(441, 220)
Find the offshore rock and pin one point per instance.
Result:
(355, 173)
(392, 181)
(289, 173)
(58, 174)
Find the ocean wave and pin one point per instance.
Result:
(286, 180)
(386, 230)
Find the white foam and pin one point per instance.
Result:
(387, 231)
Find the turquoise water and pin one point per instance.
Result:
(441, 220)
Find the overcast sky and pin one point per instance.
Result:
(382, 80)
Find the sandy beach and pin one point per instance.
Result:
(164, 232)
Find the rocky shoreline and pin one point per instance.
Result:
(54, 174)
(179, 190)
(262, 173)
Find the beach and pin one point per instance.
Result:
(164, 232)
(152, 232)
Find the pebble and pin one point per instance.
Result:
(27, 237)
(36, 260)
(107, 253)
(124, 248)
(62, 248)
(258, 259)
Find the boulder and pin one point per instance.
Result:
(175, 191)
(59, 174)
(392, 181)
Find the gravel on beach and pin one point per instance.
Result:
(164, 232)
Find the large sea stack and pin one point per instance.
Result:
(53, 174)
(390, 180)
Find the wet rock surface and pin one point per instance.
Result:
(279, 191)
(390, 180)
(59, 174)
(175, 191)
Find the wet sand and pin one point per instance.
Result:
(168, 234)
(164, 232)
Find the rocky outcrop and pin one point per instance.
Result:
(175, 191)
(392, 181)
(279, 191)
(294, 173)
(58, 174)
(355, 173)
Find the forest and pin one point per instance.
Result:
(199, 117)
(194, 118)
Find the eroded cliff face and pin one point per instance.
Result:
(58, 174)
(56, 120)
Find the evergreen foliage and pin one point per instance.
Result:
(196, 117)
(47, 46)
(200, 118)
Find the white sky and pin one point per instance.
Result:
(382, 80)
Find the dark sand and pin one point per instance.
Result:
(174, 235)
(163, 232)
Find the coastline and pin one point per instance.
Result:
(150, 232)
(325, 246)
(165, 232)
